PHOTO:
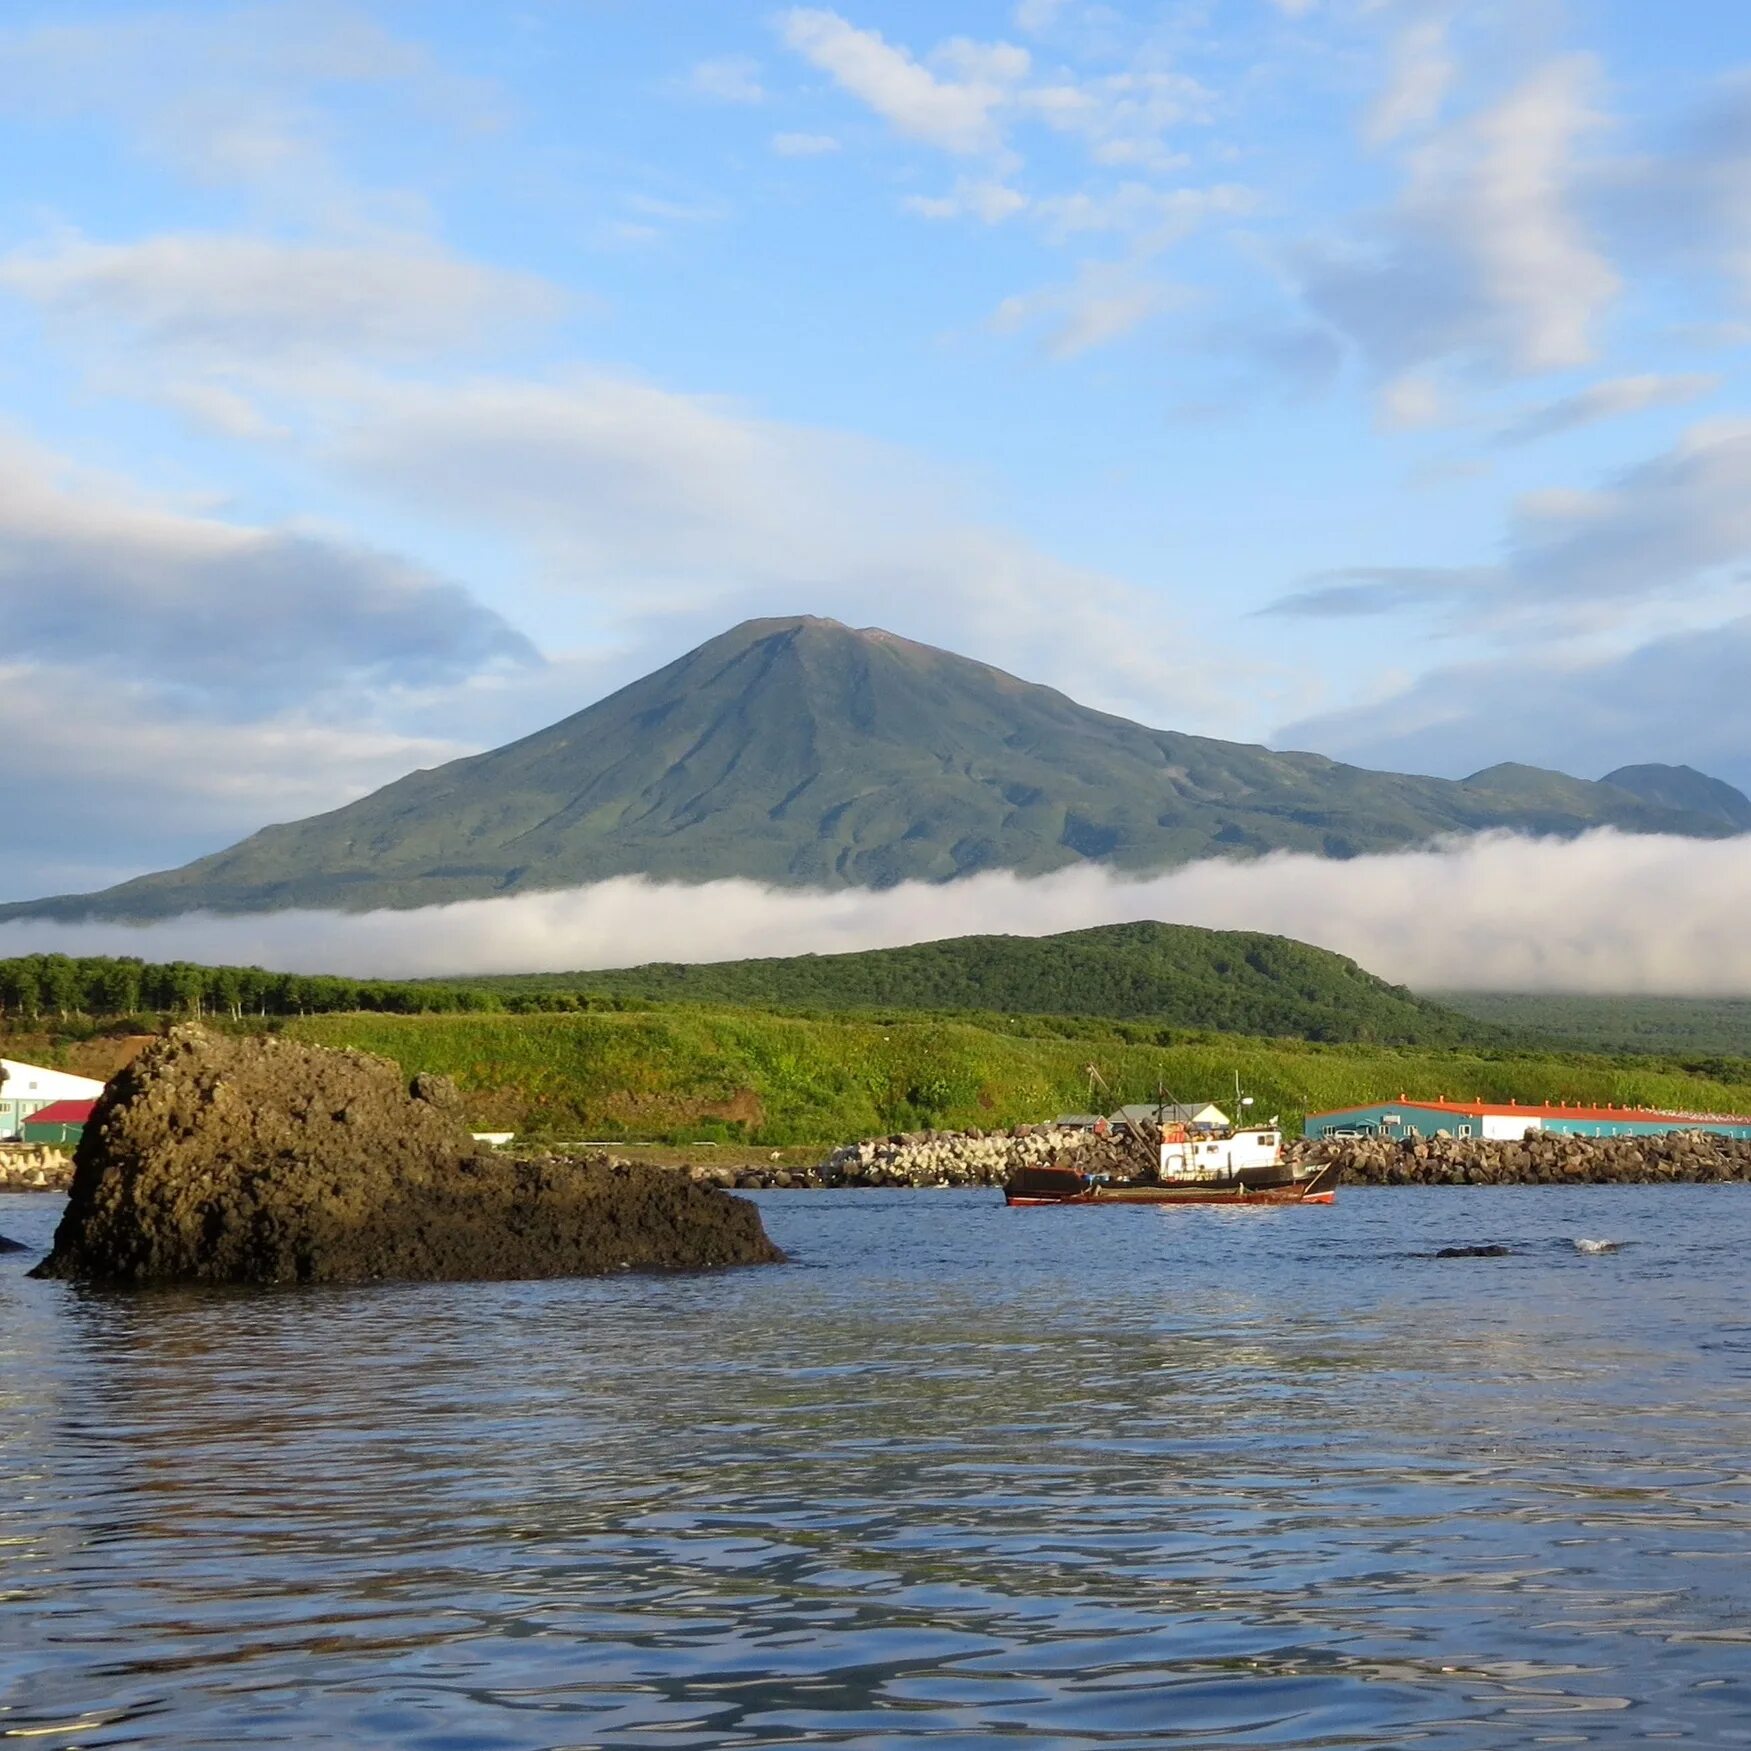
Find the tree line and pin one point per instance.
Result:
(35, 988)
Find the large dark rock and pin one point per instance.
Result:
(259, 1160)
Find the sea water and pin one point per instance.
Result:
(958, 1475)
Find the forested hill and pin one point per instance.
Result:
(1684, 1027)
(1228, 981)
(1173, 975)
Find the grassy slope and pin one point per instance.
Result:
(787, 1079)
(803, 752)
(1174, 975)
(1718, 1026)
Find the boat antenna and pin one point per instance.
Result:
(1164, 1098)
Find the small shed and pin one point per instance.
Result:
(1146, 1115)
(61, 1125)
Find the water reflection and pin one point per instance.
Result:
(961, 1473)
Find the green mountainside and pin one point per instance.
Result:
(1683, 787)
(1715, 1027)
(802, 752)
(1173, 974)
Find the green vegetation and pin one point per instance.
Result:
(1683, 787)
(802, 752)
(976, 1031)
(100, 989)
(1683, 1026)
(630, 1061)
(1228, 980)
(746, 1076)
(1234, 981)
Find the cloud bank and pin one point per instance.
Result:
(1495, 912)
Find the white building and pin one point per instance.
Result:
(28, 1088)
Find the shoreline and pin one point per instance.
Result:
(932, 1160)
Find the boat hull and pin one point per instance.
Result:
(1320, 1189)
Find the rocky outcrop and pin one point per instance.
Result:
(218, 1159)
(7, 1245)
(27, 1168)
(1539, 1159)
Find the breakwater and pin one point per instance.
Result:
(24, 1168)
(987, 1158)
(1680, 1157)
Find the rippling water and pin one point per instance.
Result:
(958, 1474)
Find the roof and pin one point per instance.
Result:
(1477, 1109)
(63, 1112)
(1172, 1112)
(23, 1078)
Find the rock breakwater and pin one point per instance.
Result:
(1683, 1157)
(988, 1158)
(257, 1160)
(24, 1168)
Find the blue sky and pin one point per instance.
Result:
(379, 382)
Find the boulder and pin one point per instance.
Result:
(258, 1160)
(7, 1245)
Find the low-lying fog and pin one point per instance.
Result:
(1607, 912)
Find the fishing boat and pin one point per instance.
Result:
(1242, 1165)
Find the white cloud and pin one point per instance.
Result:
(728, 79)
(234, 95)
(1153, 217)
(989, 202)
(1659, 529)
(1516, 914)
(239, 298)
(1122, 117)
(1035, 17)
(1104, 303)
(1421, 75)
(804, 145)
(1484, 259)
(143, 780)
(1412, 401)
(956, 114)
(1295, 8)
(1535, 264)
(965, 97)
(1674, 528)
(1604, 401)
(1685, 207)
(96, 575)
(1680, 698)
(681, 511)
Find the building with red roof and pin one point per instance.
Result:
(60, 1124)
(1510, 1121)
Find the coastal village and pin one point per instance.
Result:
(1405, 1140)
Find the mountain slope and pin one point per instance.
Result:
(1232, 981)
(1683, 787)
(802, 752)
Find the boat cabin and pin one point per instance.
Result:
(1189, 1154)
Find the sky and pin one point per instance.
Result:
(380, 382)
